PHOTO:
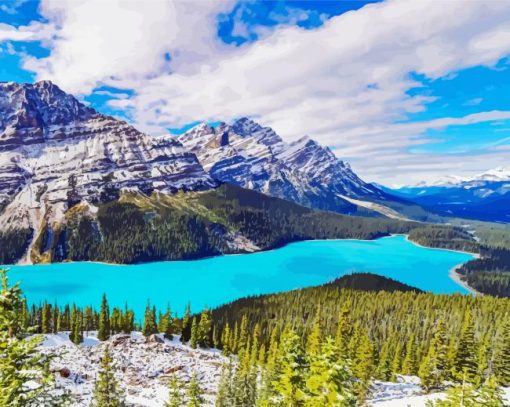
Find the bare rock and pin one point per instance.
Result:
(154, 339)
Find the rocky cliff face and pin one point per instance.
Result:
(255, 157)
(56, 152)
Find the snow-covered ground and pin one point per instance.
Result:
(407, 392)
(144, 367)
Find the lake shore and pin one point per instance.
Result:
(457, 277)
(453, 273)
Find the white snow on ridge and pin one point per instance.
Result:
(499, 174)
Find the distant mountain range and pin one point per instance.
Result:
(484, 197)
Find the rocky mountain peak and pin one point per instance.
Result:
(56, 151)
(245, 126)
(252, 156)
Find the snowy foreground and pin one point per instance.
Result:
(144, 367)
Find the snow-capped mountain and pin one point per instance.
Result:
(255, 157)
(485, 196)
(498, 174)
(56, 151)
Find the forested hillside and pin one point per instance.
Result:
(229, 219)
(380, 334)
(294, 347)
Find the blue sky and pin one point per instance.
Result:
(401, 99)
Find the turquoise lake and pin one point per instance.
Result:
(214, 281)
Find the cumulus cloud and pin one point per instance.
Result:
(345, 83)
(125, 42)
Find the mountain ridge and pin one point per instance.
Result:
(485, 196)
(55, 147)
(256, 157)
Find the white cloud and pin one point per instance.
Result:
(344, 83)
(35, 31)
(125, 41)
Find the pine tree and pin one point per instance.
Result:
(116, 321)
(215, 337)
(465, 364)
(54, 319)
(245, 380)
(204, 329)
(25, 317)
(194, 334)
(106, 389)
(58, 327)
(65, 322)
(354, 340)
(165, 323)
(269, 376)
(128, 320)
(76, 335)
(225, 395)
(243, 334)
(149, 322)
(194, 393)
(20, 362)
(409, 364)
(490, 394)
(46, 319)
(261, 358)
(175, 398)
(363, 366)
(462, 395)
(434, 366)
(313, 343)
(225, 340)
(502, 355)
(186, 324)
(234, 338)
(329, 379)
(104, 320)
(290, 363)
(482, 358)
(343, 330)
(254, 357)
(397, 361)
(383, 370)
(72, 320)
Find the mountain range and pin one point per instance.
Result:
(71, 178)
(485, 196)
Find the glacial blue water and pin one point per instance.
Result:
(221, 279)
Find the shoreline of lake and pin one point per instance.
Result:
(215, 280)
